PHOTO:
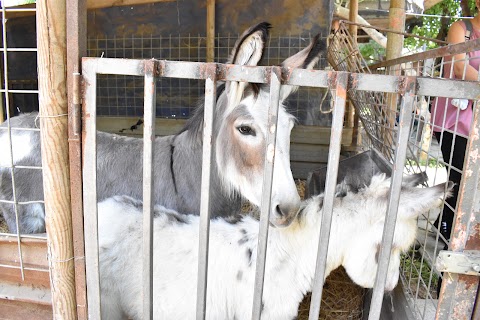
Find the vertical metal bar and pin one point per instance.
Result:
(9, 135)
(149, 102)
(392, 208)
(271, 140)
(207, 159)
(90, 187)
(457, 295)
(331, 182)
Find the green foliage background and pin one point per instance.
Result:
(426, 26)
(430, 26)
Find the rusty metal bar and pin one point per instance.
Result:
(207, 160)
(341, 87)
(458, 292)
(392, 209)
(149, 102)
(463, 47)
(271, 140)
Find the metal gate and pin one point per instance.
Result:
(339, 82)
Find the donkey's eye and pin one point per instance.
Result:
(246, 130)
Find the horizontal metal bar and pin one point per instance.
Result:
(19, 50)
(129, 67)
(24, 268)
(466, 262)
(375, 82)
(19, 9)
(20, 129)
(298, 77)
(23, 203)
(21, 167)
(462, 47)
(448, 88)
(39, 236)
(18, 91)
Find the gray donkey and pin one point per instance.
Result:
(239, 133)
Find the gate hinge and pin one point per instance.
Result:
(466, 262)
(77, 105)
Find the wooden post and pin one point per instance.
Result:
(210, 30)
(52, 60)
(76, 49)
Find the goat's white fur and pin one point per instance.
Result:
(356, 233)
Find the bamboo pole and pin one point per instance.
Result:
(51, 40)
(353, 13)
(210, 30)
(396, 22)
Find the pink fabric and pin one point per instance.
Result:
(448, 118)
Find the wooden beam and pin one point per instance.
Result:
(91, 4)
(52, 56)
(210, 30)
(98, 4)
(76, 49)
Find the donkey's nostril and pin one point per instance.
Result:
(279, 211)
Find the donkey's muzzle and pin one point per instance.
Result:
(283, 215)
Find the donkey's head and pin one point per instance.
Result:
(242, 124)
(361, 253)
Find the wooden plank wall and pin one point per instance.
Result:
(309, 144)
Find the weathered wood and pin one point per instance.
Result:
(97, 4)
(19, 310)
(51, 40)
(76, 49)
(210, 30)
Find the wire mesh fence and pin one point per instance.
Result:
(436, 146)
(177, 98)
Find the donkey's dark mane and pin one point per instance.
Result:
(194, 124)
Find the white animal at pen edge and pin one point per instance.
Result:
(355, 239)
(239, 138)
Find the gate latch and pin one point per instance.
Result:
(466, 262)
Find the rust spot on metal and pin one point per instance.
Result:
(161, 68)
(332, 79)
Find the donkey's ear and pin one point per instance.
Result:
(248, 51)
(305, 59)
(415, 201)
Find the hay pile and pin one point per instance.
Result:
(3, 225)
(341, 299)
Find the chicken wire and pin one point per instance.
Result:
(378, 113)
(177, 98)
(18, 93)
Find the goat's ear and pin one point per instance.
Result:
(248, 51)
(413, 180)
(415, 201)
(305, 59)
